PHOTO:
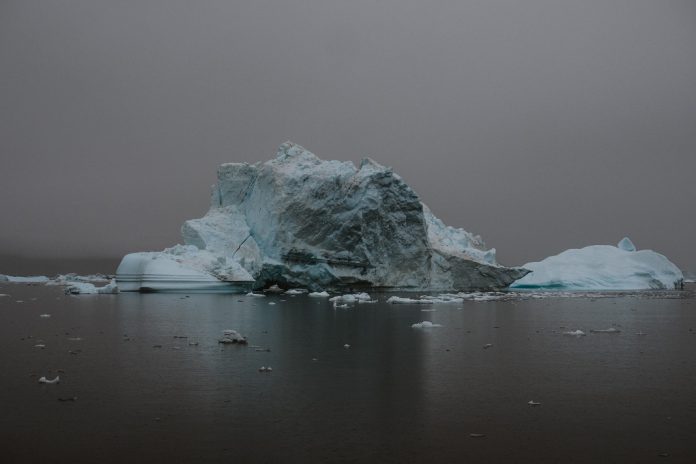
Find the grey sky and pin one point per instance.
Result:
(541, 125)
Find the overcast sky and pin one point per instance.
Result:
(541, 125)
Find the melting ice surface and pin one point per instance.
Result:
(603, 267)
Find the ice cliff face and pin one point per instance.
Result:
(300, 221)
(603, 267)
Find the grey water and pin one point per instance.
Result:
(143, 379)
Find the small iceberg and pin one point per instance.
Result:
(603, 267)
(575, 333)
(230, 336)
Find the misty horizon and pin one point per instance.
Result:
(540, 126)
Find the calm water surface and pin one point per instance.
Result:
(398, 394)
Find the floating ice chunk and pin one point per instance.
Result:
(45, 380)
(424, 325)
(610, 330)
(602, 267)
(575, 333)
(319, 294)
(346, 346)
(255, 294)
(533, 403)
(40, 345)
(626, 245)
(230, 336)
(77, 288)
(337, 305)
(45, 315)
(487, 345)
(3, 294)
(296, 291)
(271, 302)
(352, 298)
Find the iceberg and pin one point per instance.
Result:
(603, 267)
(297, 221)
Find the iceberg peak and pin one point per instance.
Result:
(626, 244)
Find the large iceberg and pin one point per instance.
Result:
(603, 267)
(298, 221)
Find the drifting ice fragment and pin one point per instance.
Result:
(77, 288)
(45, 380)
(533, 403)
(346, 346)
(425, 325)
(575, 333)
(230, 336)
(319, 294)
(45, 315)
(255, 294)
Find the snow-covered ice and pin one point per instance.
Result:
(603, 267)
(299, 221)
